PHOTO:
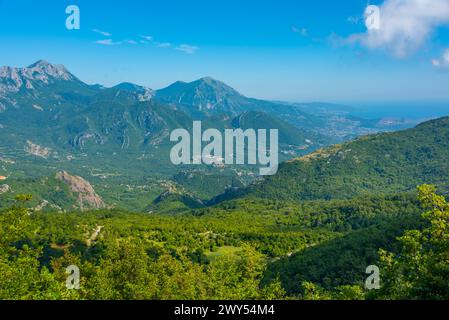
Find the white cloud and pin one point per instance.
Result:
(107, 42)
(405, 25)
(187, 48)
(147, 38)
(302, 31)
(443, 61)
(163, 44)
(104, 33)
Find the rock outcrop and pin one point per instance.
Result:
(37, 150)
(4, 188)
(87, 197)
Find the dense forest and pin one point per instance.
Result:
(380, 163)
(241, 249)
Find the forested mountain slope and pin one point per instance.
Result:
(381, 163)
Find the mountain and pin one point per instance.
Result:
(380, 163)
(208, 96)
(52, 121)
(41, 85)
(36, 75)
(132, 91)
(126, 116)
(314, 226)
(48, 96)
(205, 95)
(325, 122)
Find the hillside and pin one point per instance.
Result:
(60, 192)
(382, 163)
(51, 121)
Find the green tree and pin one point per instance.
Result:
(421, 269)
(22, 276)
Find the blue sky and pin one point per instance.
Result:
(294, 50)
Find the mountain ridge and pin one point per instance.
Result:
(90, 127)
(378, 163)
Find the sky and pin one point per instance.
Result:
(291, 50)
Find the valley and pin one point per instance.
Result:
(86, 180)
(91, 131)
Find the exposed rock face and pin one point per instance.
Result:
(5, 160)
(37, 150)
(146, 95)
(14, 79)
(141, 93)
(87, 197)
(4, 188)
(44, 203)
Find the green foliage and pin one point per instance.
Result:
(23, 197)
(376, 164)
(133, 256)
(341, 261)
(245, 249)
(420, 270)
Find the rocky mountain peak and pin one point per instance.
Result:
(41, 72)
(42, 69)
(219, 87)
(205, 94)
(142, 93)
